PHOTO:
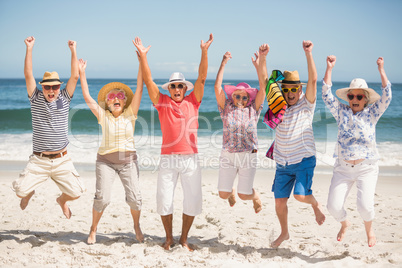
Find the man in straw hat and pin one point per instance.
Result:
(355, 151)
(50, 107)
(294, 149)
(178, 115)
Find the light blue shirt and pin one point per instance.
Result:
(356, 132)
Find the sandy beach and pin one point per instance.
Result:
(224, 237)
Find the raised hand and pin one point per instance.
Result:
(72, 45)
(308, 46)
(205, 46)
(263, 50)
(380, 62)
(29, 41)
(82, 65)
(331, 60)
(141, 50)
(256, 61)
(226, 57)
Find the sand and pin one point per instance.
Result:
(224, 237)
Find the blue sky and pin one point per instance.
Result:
(356, 31)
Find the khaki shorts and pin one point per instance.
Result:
(40, 169)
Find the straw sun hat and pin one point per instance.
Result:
(291, 78)
(109, 87)
(358, 83)
(50, 79)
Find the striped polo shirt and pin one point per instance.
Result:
(49, 121)
(294, 138)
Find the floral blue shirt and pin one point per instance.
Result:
(356, 132)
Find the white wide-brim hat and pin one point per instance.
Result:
(358, 83)
(178, 78)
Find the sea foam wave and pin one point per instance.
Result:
(83, 149)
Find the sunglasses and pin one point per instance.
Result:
(293, 89)
(179, 86)
(55, 87)
(119, 95)
(359, 97)
(239, 97)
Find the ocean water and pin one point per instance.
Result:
(84, 132)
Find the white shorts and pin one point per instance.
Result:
(230, 164)
(40, 169)
(170, 167)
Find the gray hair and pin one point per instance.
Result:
(366, 95)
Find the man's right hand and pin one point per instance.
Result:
(29, 41)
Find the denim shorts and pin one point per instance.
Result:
(299, 175)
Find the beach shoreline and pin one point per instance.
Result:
(224, 236)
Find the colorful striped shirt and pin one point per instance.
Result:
(356, 132)
(294, 138)
(49, 121)
(239, 127)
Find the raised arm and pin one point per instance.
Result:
(311, 91)
(153, 90)
(203, 69)
(92, 104)
(331, 60)
(384, 79)
(72, 82)
(135, 103)
(28, 71)
(219, 94)
(260, 64)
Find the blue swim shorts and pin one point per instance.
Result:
(299, 175)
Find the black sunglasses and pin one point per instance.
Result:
(358, 96)
(55, 87)
(179, 86)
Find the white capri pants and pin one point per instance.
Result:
(365, 174)
(230, 164)
(170, 167)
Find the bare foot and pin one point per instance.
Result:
(92, 237)
(319, 216)
(371, 239)
(64, 207)
(168, 244)
(370, 234)
(187, 245)
(232, 200)
(345, 224)
(138, 234)
(279, 240)
(25, 200)
(257, 205)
